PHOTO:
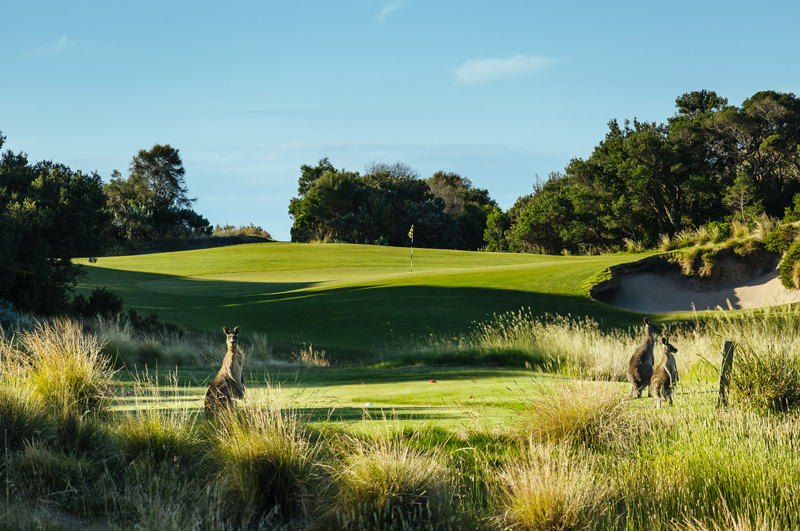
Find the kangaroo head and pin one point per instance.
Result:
(649, 328)
(668, 348)
(233, 337)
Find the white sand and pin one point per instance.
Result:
(649, 292)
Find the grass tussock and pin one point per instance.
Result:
(311, 357)
(266, 461)
(157, 434)
(23, 419)
(385, 484)
(580, 412)
(552, 488)
(69, 371)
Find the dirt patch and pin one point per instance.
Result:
(656, 285)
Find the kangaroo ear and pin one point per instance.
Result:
(226, 329)
(236, 330)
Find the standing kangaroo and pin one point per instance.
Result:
(640, 367)
(229, 382)
(662, 384)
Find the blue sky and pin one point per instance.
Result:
(498, 92)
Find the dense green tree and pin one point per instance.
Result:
(49, 214)
(496, 234)
(761, 138)
(153, 201)
(740, 198)
(376, 208)
(470, 206)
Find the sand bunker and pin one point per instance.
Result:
(653, 293)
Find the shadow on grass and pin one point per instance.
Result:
(352, 323)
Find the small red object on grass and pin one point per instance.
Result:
(431, 381)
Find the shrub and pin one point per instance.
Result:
(384, 484)
(266, 463)
(781, 239)
(12, 320)
(787, 265)
(552, 488)
(244, 230)
(101, 302)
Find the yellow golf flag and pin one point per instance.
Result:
(411, 232)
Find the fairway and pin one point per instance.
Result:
(350, 298)
(357, 400)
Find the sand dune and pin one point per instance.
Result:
(650, 292)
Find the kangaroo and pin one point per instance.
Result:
(229, 382)
(665, 376)
(640, 366)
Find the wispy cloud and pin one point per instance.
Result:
(389, 9)
(499, 68)
(59, 46)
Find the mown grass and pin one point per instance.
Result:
(350, 299)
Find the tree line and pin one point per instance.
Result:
(710, 162)
(51, 214)
(380, 206)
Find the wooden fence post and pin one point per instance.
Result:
(725, 373)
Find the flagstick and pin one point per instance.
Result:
(412, 252)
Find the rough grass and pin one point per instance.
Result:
(384, 483)
(575, 456)
(552, 488)
(266, 462)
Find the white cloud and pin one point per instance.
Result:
(388, 10)
(59, 46)
(498, 68)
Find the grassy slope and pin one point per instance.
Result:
(350, 297)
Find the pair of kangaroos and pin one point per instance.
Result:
(662, 380)
(228, 385)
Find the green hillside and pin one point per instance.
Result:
(349, 297)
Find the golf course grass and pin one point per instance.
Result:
(358, 399)
(351, 298)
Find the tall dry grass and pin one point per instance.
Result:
(69, 371)
(385, 484)
(583, 413)
(552, 488)
(266, 461)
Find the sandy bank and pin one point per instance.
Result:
(655, 293)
